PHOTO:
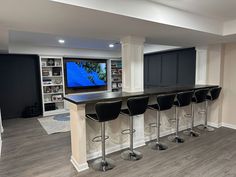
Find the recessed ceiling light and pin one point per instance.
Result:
(111, 45)
(61, 41)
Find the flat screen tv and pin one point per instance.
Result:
(86, 73)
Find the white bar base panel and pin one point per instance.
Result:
(78, 167)
(137, 144)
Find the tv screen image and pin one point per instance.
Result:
(85, 74)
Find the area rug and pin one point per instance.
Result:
(56, 124)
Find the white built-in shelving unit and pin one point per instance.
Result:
(116, 75)
(52, 82)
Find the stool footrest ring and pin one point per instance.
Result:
(153, 124)
(99, 138)
(202, 112)
(127, 131)
(188, 115)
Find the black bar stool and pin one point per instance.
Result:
(214, 94)
(198, 97)
(183, 99)
(136, 106)
(105, 111)
(164, 102)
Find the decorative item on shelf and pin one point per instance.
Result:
(44, 63)
(47, 99)
(50, 62)
(119, 85)
(119, 71)
(47, 89)
(57, 63)
(114, 85)
(55, 89)
(57, 97)
(114, 71)
(57, 81)
(56, 71)
(50, 107)
(47, 82)
(45, 72)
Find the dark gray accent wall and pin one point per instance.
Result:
(176, 67)
(20, 84)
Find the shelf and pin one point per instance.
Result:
(52, 76)
(117, 68)
(54, 112)
(51, 66)
(53, 93)
(48, 85)
(54, 102)
(116, 81)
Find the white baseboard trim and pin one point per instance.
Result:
(228, 125)
(215, 125)
(79, 167)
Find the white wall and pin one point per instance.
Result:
(42, 50)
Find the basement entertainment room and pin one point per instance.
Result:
(135, 88)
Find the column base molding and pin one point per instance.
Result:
(79, 167)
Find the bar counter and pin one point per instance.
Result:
(105, 96)
(81, 138)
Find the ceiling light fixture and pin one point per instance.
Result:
(61, 41)
(111, 45)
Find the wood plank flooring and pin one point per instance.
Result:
(29, 152)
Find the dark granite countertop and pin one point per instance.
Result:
(105, 96)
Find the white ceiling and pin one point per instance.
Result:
(90, 28)
(219, 9)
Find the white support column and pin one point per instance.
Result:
(78, 137)
(132, 77)
(201, 65)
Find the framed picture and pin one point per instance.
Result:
(50, 62)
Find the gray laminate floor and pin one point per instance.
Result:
(29, 152)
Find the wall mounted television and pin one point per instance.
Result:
(81, 73)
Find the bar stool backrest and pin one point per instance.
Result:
(137, 105)
(200, 95)
(215, 93)
(184, 98)
(165, 102)
(107, 111)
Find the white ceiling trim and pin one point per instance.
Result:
(153, 12)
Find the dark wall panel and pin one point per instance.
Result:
(176, 67)
(169, 69)
(20, 84)
(186, 67)
(153, 68)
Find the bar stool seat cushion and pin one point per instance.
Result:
(125, 111)
(154, 106)
(208, 97)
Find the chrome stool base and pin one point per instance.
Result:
(191, 133)
(157, 146)
(206, 128)
(100, 165)
(131, 155)
(176, 139)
